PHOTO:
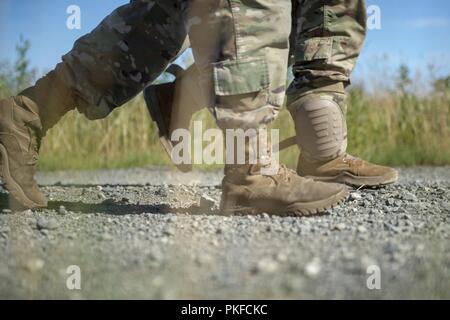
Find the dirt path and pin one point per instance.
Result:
(147, 233)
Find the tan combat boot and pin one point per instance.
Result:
(322, 138)
(347, 169)
(24, 120)
(246, 189)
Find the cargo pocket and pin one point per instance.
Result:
(314, 49)
(241, 85)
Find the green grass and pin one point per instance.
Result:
(390, 128)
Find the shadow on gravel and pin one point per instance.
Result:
(110, 207)
(113, 208)
(120, 208)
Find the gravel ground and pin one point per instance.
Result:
(148, 233)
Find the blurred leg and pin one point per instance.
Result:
(105, 69)
(130, 48)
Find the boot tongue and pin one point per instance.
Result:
(264, 169)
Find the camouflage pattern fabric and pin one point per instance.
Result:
(241, 48)
(327, 37)
(130, 48)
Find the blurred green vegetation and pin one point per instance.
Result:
(395, 126)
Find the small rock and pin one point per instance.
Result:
(409, 197)
(390, 202)
(313, 268)
(62, 210)
(47, 224)
(355, 196)
(34, 265)
(267, 265)
(398, 203)
(339, 227)
(265, 216)
(366, 203)
(6, 211)
(361, 229)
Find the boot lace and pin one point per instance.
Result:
(284, 175)
(352, 161)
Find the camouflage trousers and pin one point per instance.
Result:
(241, 49)
(327, 38)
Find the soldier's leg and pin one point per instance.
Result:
(241, 49)
(112, 64)
(329, 36)
(105, 69)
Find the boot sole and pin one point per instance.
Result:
(11, 185)
(152, 102)
(299, 209)
(357, 181)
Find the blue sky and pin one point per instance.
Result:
(415, 32)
